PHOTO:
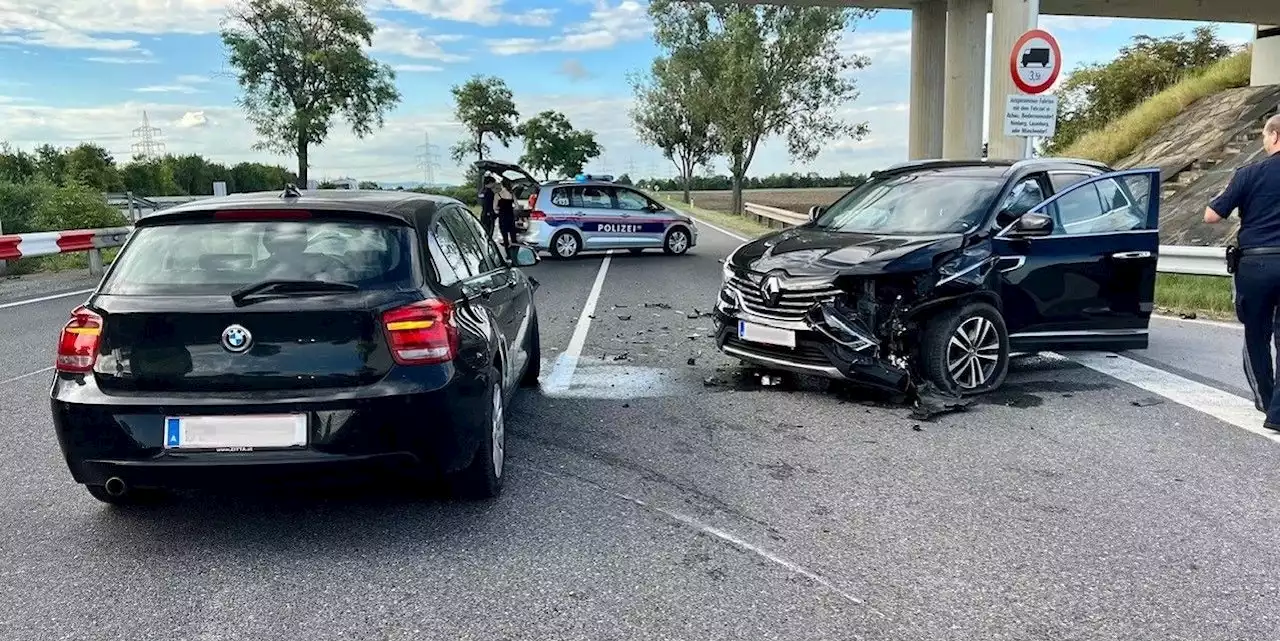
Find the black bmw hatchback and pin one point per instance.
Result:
(936, 271)
(264, 338)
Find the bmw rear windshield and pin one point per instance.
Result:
(221, 256)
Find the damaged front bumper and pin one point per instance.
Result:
(829, 341)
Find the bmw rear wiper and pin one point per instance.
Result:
(286, 287)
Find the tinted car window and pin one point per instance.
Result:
(446, 257)
(1105, 205)
(914, 203)
(1061, 181)
(630, 200)
(468, 244)
(1077, 211)
(1026, 194)
(492, 258)
(590, 197)
(219, 257)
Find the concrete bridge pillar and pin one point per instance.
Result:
(1266, 56)
(966, 77)
(1009, 19)
(928, 79)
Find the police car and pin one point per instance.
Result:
(591, 213)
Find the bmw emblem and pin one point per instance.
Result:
(236, 339)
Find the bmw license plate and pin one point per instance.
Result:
(235, 433)
(768, 335)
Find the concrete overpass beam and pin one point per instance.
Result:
(966, 77)
(928, 78)
(1009, 19)
(1266, 56)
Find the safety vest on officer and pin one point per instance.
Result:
(1254, 193)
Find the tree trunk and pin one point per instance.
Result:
(737, 168)
(480, 145)
(302, 160)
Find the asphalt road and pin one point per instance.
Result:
(660, 494)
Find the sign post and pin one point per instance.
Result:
(1034, 64)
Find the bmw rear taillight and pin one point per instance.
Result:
(423, 333)
(78, 345)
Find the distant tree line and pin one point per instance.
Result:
(775, 181)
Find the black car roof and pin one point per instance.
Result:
(397, 204)
(994, 167)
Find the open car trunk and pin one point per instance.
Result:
(524, 185)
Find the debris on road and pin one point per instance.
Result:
(624, 318)
(1148, 402)
(1187, 316)
(693, 361)
(658, 305)
(931, 401)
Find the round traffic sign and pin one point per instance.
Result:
(1035, 61)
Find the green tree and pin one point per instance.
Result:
(1094, 95)
(16, 165)
(624, 179)
(93, 167)
(673, 113)
(551, 144)
(485, 107)
(369, 184)
(300, 63)
(768, 71)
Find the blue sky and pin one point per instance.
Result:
(86, 70)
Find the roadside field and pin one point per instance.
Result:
(797, 200)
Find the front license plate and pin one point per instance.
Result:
(768, 335)
(235, 432)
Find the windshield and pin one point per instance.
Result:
(920, 203)
(221, 257)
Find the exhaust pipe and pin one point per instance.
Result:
(115, 486)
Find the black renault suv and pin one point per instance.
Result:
(936, 270)
(261, 337)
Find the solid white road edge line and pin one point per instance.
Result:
(1224, 406)
(45, 298)
(726, 232)
(27, 375)
(562, 374)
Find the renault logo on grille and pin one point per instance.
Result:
(771, 290)
(236, 339)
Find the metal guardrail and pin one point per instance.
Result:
(16, 246)
(1174, 259)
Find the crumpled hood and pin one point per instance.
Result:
(805, 252)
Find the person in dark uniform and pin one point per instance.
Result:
(1254, 191)
(487, 213)
(507, 215)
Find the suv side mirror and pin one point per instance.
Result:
(816, 211)
(525, 257)
(1033, 226)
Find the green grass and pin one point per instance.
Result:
(1207, 295)
(730, 222)
(1122, 136)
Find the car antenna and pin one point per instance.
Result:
(291, 191)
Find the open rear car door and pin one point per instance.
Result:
(524, 185)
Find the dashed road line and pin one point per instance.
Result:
(561, 376)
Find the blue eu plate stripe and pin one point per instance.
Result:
(172, 432)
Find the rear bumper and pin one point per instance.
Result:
(102, 436)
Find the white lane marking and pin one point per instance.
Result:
(1197, 321)
(712, 531)
(27, 375)
(1224, 406)
(562, 374)
(726, 232)
(44, 298)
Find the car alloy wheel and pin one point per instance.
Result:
(677, 242)
(973, 353)
(566, 245)
(498, 437)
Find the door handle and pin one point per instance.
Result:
(1130, 255)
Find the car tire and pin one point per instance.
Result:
(565, 245)
(676, 242)
(132, 498)
(482, 479)
(965, 351)
(533, 369)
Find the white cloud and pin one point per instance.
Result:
(121, 60)
(535, 18)
(879, 46)
(1074, 23)
(66, 39)
(114, 16)
(167, 89)
(413, 43)
(416, 68)
(607, 26)
(192, 119)
(484, 12)
(193, 79)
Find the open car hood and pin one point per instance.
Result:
(807, 252)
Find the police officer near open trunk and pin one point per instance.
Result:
(1255, 262)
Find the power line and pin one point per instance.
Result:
(427, 159)
(148, 145)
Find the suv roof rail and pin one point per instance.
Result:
(1070, 161)
(942, 163)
